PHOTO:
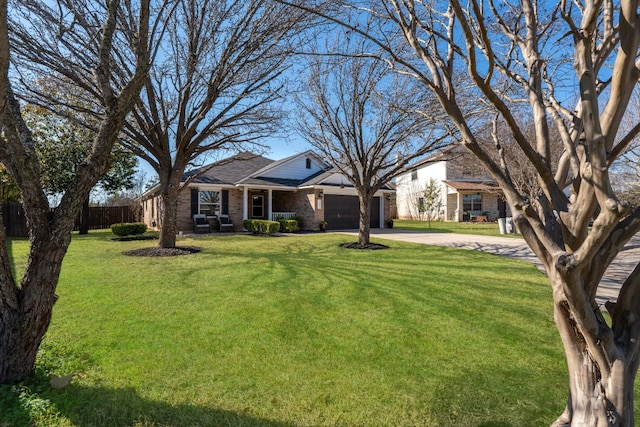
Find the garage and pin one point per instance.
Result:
(343, 212)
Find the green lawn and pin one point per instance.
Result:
(294, 331)
(483, 228)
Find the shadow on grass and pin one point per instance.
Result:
(22, 405)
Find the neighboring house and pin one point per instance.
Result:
(467, 192)
(248, 186)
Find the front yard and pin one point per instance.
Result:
(481, 228)
(294, 331)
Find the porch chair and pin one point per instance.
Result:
(200, 224)
(225, 223)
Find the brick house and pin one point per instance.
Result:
(251, 186)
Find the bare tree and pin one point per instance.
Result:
(53, 40)
(216, 88)
(523, 52)
(367, 122)
(431, 201)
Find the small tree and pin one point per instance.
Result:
(362, 118)
(62, 146)
(432, 201)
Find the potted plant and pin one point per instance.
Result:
(389, 223)
(323, 225)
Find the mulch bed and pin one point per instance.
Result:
(163, 252)
(369, 246)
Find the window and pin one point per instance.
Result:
(209, 203)
(414, 175)
(257, 206)
(421, 207)
(472, 202)
(308, 163)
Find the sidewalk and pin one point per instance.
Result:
(516, 248)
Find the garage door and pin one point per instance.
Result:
(343, 212)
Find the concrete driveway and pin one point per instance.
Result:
(516, 248)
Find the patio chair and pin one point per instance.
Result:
(225, 223)
(201, 224)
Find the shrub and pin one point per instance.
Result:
(290, 225)
(298, 219)
(261, 226)
(247, 224)
(128, 228)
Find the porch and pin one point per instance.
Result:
(272, 204)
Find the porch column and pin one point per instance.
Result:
(458, 208)
(245, 203)
(383, 200)
(270, 205)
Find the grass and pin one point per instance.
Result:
(294, 331)
(481, 228)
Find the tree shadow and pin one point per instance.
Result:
(85, 406)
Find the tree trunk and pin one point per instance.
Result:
(26, 312)
(21, 332)
(364, 229)
(601, 389)
(84, 217)
(168, 217)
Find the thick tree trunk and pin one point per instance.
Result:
(21, 332)
(168, 217)
(25, 314)
(601, 375)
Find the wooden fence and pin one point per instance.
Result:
(100, 217)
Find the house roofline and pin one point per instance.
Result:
(278, 163)
(267, 187)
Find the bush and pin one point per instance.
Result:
(261, 226)
(290, 225)
(128, 228)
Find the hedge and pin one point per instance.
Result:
(128, 228)
(288, 225)
(261, 226)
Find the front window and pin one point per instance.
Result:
(210, 203)
(472, 202)
(257, 207)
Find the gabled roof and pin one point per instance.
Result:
(265, 176)
(321, 178)
(254, 170)
(228, 171)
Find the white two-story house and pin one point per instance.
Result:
(467, 192)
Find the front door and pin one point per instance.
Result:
(257, 206)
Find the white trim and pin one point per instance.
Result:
(245, 203)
